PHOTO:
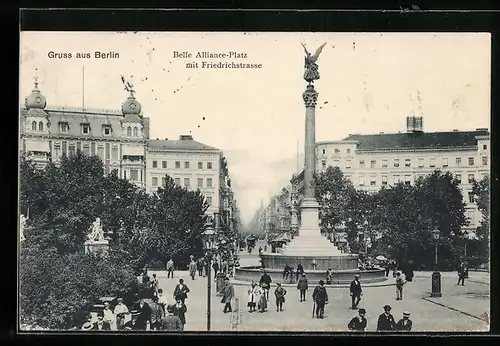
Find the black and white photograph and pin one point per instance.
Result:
(176, 182)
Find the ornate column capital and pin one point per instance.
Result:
(310, 96)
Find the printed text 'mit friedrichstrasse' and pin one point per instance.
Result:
(217, 64)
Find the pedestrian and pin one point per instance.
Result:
(286, 271)
(356, 292)
(206, 264)
(171, 323)
(299, 271)
(279, 293)
(405, 323)
(320, 298)
(132, 324)
(358, 323)
(329, 274)
(145, 276)
(260, 250)
(200, 266)
(302, 286)
(387, 268)
(314, 264)
(180, 310)
(100, 324)
(461, 274)
(227, 295)
(162, 301)
(157, 314)
(399, 286)
(265, 282)
(253, 296)
(170, 268)
(154, 285)
(120, 311)
(409, 272)
(181, 291)
(394, 268)
(192, 269)
(386, 320)
(262, 303)
(144, 317)
(215, 266)
(109, 316)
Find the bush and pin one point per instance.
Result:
(58, 291)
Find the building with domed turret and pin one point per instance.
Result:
(121, 140)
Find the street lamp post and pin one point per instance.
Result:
(208, 237)
(436, 275)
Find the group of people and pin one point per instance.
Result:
(152, 312)
(288, 272)
(385, 322)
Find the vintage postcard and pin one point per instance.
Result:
(216, 181)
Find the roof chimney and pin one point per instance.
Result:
(414, 124)
(186, 137)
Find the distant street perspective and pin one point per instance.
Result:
(374, 232)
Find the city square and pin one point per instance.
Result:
(380, 231)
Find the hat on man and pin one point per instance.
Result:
(362, 311)
(406, 314)
(170, 308)
(87, 326)
(321, 282)
(387, 307)
(356, 276)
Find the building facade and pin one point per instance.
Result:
(191, 164)
(377, 160)
(121, 139)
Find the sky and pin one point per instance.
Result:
(370, 83)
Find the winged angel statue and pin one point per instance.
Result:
(311, 72)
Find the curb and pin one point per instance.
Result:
(373, 284)
(457, 310)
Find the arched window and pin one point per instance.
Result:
(129, 131)
(135, 132)
(40, 126)
(33, 126)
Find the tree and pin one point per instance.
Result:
(335, 194)
(479, 247)
(407, 213)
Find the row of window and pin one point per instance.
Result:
(407, 179)
(64, 128)
(178, 164)
(104, 151)
(187, 182)
(408, 162)
(348, 150)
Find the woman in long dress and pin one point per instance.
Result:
(253, 296)
(262, 303)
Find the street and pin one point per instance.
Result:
(459, 309)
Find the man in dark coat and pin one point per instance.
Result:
(461, 274)
(405, 323)
(287, 271)
(386, 320)
(101, 325)
(227, 295)
(356, 291)
(320, 298)
(171, 322)
(144, 314)
(265, 282)
(181, 291)
(299, 272)
(132, 323)
(180, 310)
(302, 286)
(358, 323)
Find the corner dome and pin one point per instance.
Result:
(131, 106)
(35, 99)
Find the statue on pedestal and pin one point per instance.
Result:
(96, 232)
(311, 72)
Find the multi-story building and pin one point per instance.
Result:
(191, 164)
(375, 160)
(121, 140)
